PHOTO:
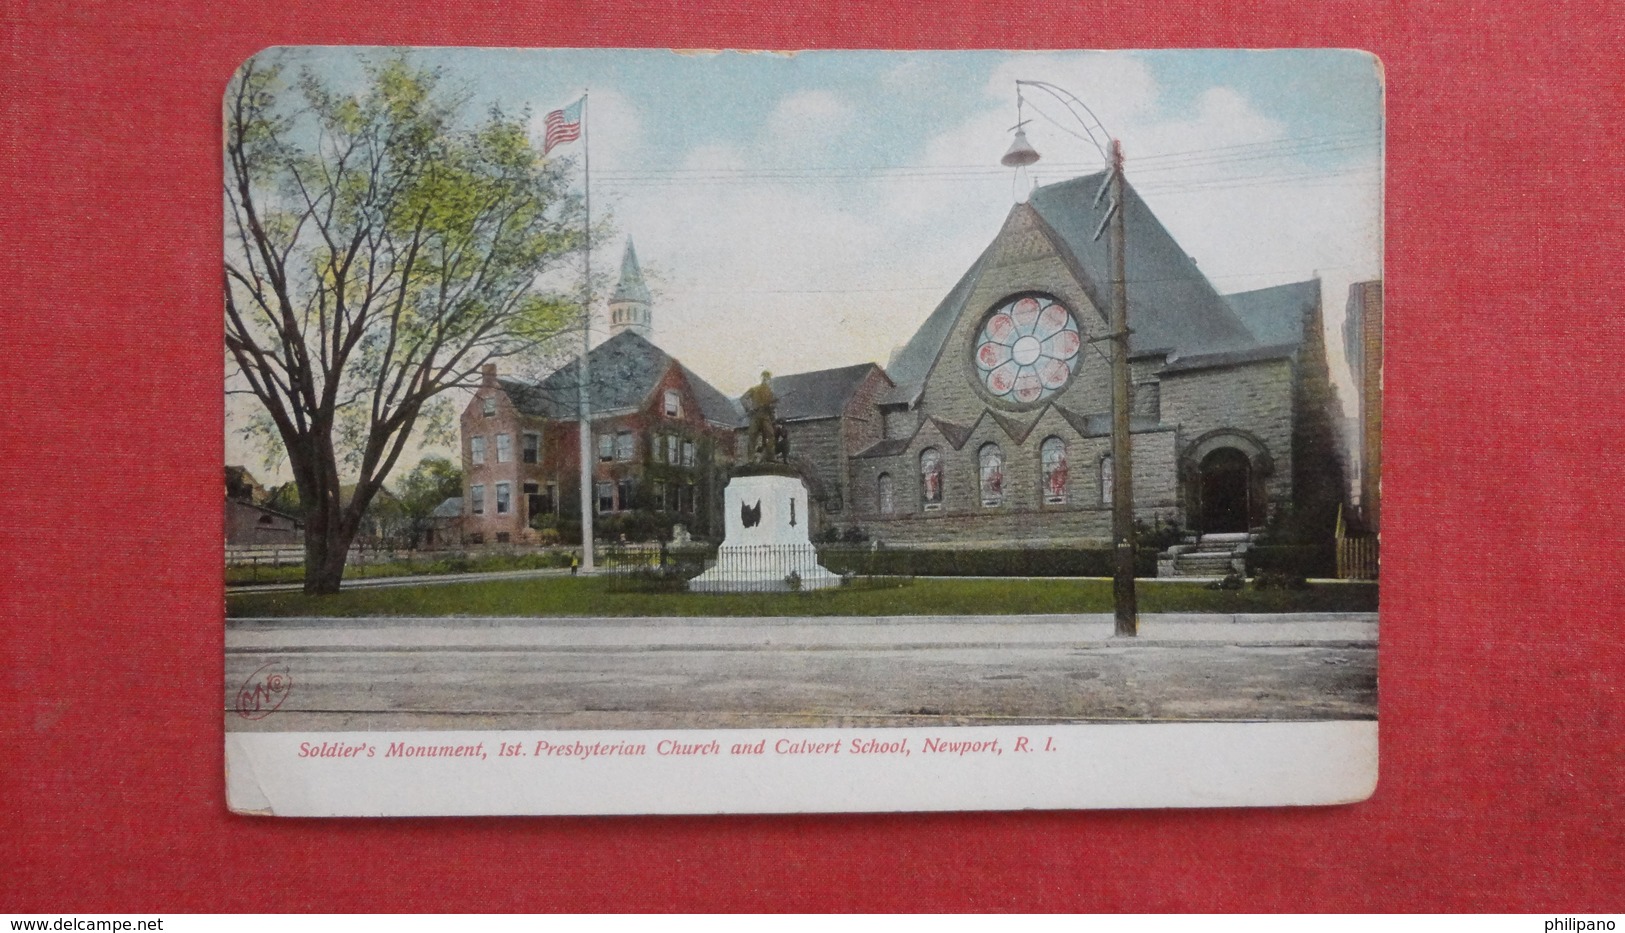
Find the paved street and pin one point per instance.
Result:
(505, 673)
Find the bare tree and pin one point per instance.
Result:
(381, 247)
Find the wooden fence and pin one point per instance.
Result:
(1357, 558)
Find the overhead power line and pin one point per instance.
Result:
(1327, 144)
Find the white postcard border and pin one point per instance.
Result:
(1077, 766)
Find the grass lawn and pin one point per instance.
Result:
(427, 563)
(568, 596)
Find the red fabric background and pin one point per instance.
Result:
(1501, 657)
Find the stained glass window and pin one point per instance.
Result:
(1028, 349)
(1106, 477)
(931, 478)
(991, 461)
(1052, 460)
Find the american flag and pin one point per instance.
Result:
(563, 126)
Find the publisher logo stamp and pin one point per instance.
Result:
(264, 691)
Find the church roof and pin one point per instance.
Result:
(631, 287)
(1276, 315)
(622, 371)
(1173, 308)
(822, 393)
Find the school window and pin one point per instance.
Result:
(685, 501)
(534, 505)
(660, 494)
(531, 451)
(606, 497)
(674, 404)
(606, 447)
(476, 450)
(688, 453)
(552, 502)
(673, 451)
(660, 448)
(623, 445)
(476, 496)
(504, 503)
(624, 492)
(488, 406)
(504, 448)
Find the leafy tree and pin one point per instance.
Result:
(431, 482)
(380, 249)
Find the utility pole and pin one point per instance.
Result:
(1123, 597)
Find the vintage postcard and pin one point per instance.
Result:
(964, 430)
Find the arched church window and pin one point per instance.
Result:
(1052, 461)
(990, 460)
(931, 478)
(1027, 350)
(886, 494)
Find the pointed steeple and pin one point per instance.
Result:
(629, 305)
(631, 287)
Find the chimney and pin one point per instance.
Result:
(488, 375)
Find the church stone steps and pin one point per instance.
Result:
(1210, 556)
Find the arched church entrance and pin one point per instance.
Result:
(1226, 484)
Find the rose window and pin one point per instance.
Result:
(1028, 349)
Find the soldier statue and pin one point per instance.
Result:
(764, 443)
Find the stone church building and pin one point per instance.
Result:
(997, 429)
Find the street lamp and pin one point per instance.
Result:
(1020, 155)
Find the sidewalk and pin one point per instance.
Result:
(1093, 630)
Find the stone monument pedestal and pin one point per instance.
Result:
(765, 542)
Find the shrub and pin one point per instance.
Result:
(1161, 534)
(1299, 560)
(1275, 580)
(1231, 581)
(983, 562)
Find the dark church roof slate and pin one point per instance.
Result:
(1172, 306)
(1275, 315)
(822, 393)
(622, 371)
(890, 447)
(1280, 351)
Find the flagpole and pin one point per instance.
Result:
(584, 431)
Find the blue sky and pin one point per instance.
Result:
(811, 209)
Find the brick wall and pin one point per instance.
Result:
(558, 471)
(505, 420)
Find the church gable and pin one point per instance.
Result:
(1012, 357)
